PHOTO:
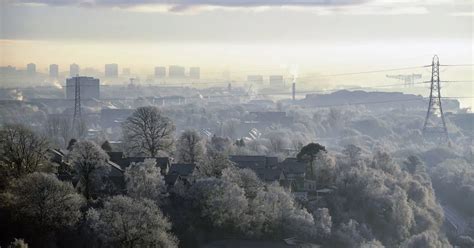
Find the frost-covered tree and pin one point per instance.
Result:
(218, 145)
(273, 212)
(190, 147)
(22, 151)
(353, 153)
(213, 165)
(148, 131)
(90, 167)
(392, 203)
(323, 221)
(220, 202)
(278, 140)
(18, 243)
(351, 234)
(229, 127)
(453, 180)
(144, 180)
(324, 166)
(244, 178)
(427, 239)
(128, 222)
(43, 200)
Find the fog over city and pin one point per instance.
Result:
(236, 123)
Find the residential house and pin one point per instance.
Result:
(180, 172)
(292, 168)
(254, 162)
(118, 157)
(290, 173)
(65, 173)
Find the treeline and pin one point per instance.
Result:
(375, 201)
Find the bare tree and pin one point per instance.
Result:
(353, 153)
(190, 147)
(89, 162)
(58, 129)
(229, 128)
(218, 145)
(22, 150)
(278, 140)
(80, 128)
(147, 132)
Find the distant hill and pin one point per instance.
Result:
(374, 100)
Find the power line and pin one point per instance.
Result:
(459, 65)
(458, 81)
(225, 82)
(376, 71)
(458, 97)
(301, 92)
(305, 77)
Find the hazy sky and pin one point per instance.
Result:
(317, 35)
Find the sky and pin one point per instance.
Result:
(316, 36)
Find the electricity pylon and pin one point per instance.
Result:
(434, 127)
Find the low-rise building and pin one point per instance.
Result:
(118, 157)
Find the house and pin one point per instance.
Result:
(309, 185)
(172, 179)
(179, 172)
(292, 168)
(270, 174)
(184, 170)
(116, 175)
(119, 158)
(57, 157)
(290, 173)
(254, 162)
(65, 173)
(249, 243)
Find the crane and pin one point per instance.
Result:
(408, 78)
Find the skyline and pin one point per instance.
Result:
(216, 34)
(301, 38)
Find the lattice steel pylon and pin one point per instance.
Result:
(77, 105)
(434, 127)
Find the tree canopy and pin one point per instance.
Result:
(128, 222)
(90, 167)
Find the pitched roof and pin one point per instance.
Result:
(291, 165)
(124, 162)
(182, 169)
(115, 166)
(171, 179)
(253, 161)
(234, 243)
(267, 174)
